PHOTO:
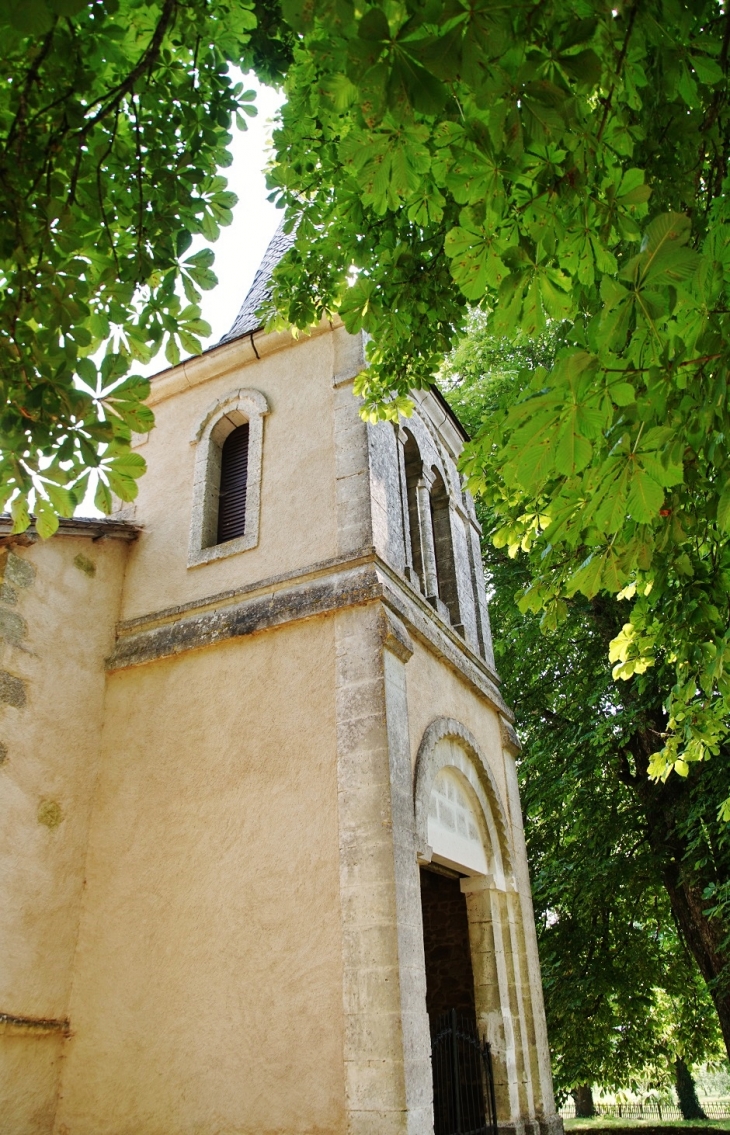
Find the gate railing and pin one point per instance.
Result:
(463, 1082)
(650, 1109)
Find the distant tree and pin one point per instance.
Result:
(582, 1095)
(625, 870)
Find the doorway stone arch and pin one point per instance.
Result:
(495, 929)
(449, 744)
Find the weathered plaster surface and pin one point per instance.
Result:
(217, 909)
(207, 995)
(51, 702)
(297, 510)
(437, 691)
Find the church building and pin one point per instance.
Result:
(263, 864)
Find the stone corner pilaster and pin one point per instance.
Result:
(551, 1124)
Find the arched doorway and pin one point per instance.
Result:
(471, 932)
(457, 851)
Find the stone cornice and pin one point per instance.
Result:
(302, 600)
(93, 527)
(227, 357)
(261, 587)
(320, 589)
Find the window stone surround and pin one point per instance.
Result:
(221, 418)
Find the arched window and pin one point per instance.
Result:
(414, 468)
(444, 548)
(227, 479)
(234, 482)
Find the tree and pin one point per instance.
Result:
(114, 123)
(555, 162)
(625, 871)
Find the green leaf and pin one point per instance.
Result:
(645, 497)
(425, 92)
(138, 417)
(632, 190)
(68, 7)
(202, 259)
(126, 463)
(208, 228)
(723, 509)
(374, 25)
(20, 514)
(585, 67)
(587, 578)
(31, 17)
(46, 520)
(103, 497)
(190, 343)
(475, 263)
(135, 388)
(572, 453)
(63, 500)
(172, 351)
(707, 70)
(622, 393)
(674, 227)
(86, 369)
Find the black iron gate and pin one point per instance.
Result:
(463, 1084)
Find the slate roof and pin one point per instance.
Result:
(260, 290)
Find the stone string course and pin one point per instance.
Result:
(346, 583)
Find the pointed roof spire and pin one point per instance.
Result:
(260, 291)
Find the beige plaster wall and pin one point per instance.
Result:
(208, 979)
(58, 604)
(298, 521)
(434, 690)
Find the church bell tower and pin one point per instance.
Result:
(281, 864)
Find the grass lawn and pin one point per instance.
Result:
(604, 1121)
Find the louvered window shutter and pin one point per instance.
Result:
(234, 479)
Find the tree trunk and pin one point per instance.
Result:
(689, 1105)
(664, 806)
(584, 1106)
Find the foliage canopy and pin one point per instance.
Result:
(114, 123)
(561, 163)
(565, 165)
(630, 878)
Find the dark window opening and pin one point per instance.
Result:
(444, 549)
(414, 469)
(234, 480)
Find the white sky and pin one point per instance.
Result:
(241, 246)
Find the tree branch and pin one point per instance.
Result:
(146, 62)
(30, 79)
(619, 68)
